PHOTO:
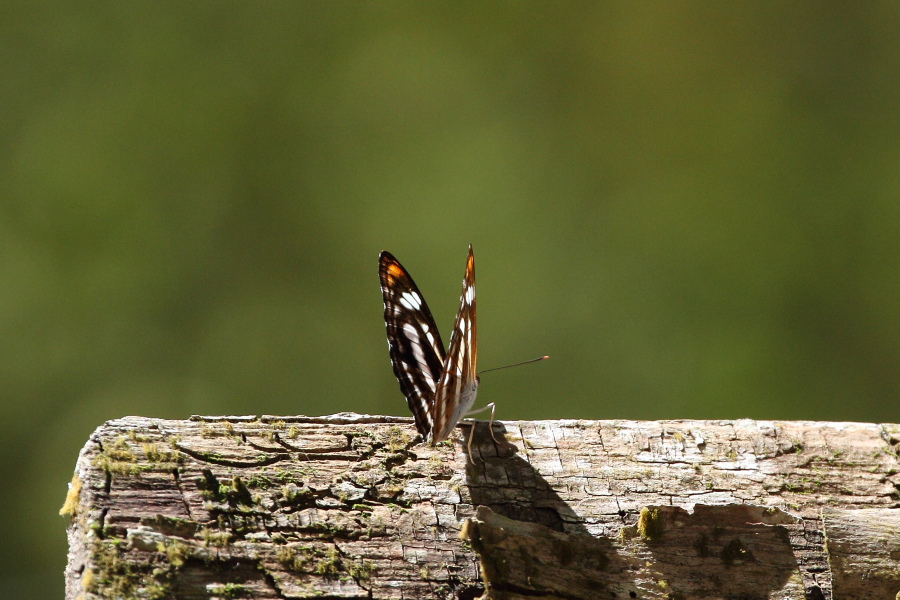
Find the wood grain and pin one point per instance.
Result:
(354, 506)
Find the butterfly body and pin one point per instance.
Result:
(440, 387)
(459, 410)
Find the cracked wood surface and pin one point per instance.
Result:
(354, 506)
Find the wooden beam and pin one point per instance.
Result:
(355, 506)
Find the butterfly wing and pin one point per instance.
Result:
(417, 352)
(458, 383)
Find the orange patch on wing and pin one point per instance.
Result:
(394, 271)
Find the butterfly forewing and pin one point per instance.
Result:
(458, 383)
(417, 352)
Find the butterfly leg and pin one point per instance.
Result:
(490, 425)
(469, 445)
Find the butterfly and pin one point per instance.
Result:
(439, 387)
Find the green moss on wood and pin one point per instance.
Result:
(230, 590)
(70, 506)
(184, 528)
(176, 551)
(361, 570)
(214, 538)
(397, 439)
(324, 562)
(113, 576)
(329, 565)
(650, 524)
(155, 454)
(294, 558)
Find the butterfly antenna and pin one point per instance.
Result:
(515, 365)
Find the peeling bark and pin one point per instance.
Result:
(353, 506)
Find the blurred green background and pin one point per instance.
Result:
(692, 207)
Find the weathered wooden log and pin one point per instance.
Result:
(355, 506)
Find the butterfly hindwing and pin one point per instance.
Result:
(417, 352)
(458, 384)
